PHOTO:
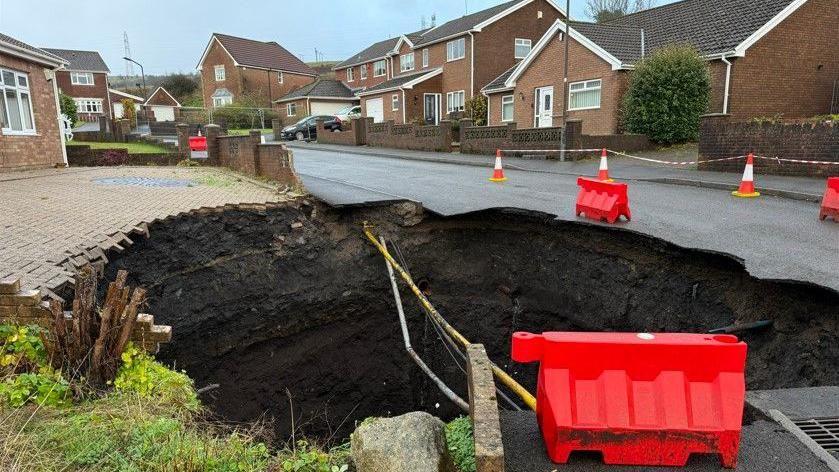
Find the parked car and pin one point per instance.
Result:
(348, 113)
(305, 129)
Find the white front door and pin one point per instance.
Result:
(544, 108)
(376, 109)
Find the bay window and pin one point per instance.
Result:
(16, 116)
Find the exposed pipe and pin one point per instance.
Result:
(407, 338)
(727, 84)
(504, 377)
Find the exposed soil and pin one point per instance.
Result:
(260, 308)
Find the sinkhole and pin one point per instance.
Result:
(299, 325)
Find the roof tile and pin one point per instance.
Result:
(88, 61)
(265, 55)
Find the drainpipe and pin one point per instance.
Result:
(643, 46)
(472, 66)
(404, 112)
(58, 117)
(727, 84)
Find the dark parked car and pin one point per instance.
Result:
(306, 129)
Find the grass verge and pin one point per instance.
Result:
(133, 148)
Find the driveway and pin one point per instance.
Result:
(51, 217)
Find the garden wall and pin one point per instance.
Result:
(353, 134)
(245, 154)
(84, 156)
(720, 137)
(410, 136)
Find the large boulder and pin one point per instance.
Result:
(414, 441)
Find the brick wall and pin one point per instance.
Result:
(84, 156)
(44, 149)
(99, 90)
(410, 136)
(301, 112)
(245, 154)
(721, 137)
(353, 134)
(265, 85)
(232, 81)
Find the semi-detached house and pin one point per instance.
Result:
(433, 73)
(766, 58)
(85, 79)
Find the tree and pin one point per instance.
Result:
(180, 85)
(668, 93)
(602, 11)
(129, 112)
(68, 108)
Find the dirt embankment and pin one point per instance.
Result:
(262, 308)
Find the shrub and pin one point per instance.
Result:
(141, 374)
(45, 388)
(112, 157)
(461, 444)
(187, 163)
(21, 348)
(129, 112)
(68, 108)
(236, 116)
(476, 108)
(668, 93)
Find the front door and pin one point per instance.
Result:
(544, 108)
(432, 108)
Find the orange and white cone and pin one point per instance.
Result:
(498, 174)
(747, 185)
(603, 175)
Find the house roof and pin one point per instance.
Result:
(402, 81)
(259, 54)
(126, 95)
(165, 96)
(713, 27)
(87, 61)
(322, 88)
(621, 41)
(19, 48)
(498, 83)
(377, 51)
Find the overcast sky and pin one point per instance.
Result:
(169, 36)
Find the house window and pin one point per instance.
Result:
(425, 57)
(15, 103)
(291, 109)
(280, 77)
(220, 73)
(584, 95)
(507, 108)
(89, 105)
(455, 101)
(379, 68)
(406, 62)
(350, 75)
(394, 100)
(363, 70)
(81, 78)
(222, 101)
(523, 47)
(456, 49)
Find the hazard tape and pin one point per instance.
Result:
(546, 150)
(798, 161)
(674, 163)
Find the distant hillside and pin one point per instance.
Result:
(323, 68)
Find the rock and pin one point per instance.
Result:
(414, 441)
(296, 225)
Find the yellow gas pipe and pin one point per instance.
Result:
(505, 378)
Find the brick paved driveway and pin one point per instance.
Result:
(50, 215)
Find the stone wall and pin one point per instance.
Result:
(353, 134)
(25, 307)
(410, 136)
(720, 137)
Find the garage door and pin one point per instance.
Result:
(327, 108)
(376, 109)
(164, 113)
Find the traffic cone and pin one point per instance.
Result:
(747, 185)
(498, 175)
(603, 175)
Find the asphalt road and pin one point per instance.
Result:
(776, 238)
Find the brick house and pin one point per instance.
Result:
(436, 71)
(322, 97)
(373, 65)
(233, 68)
(765, 58)
(163, 105)
(85, 78)
(30, 128)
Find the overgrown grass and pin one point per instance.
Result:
(133, 148)
(461, 444)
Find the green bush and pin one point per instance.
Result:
(236, 116)
(461, 443)
(476, 108)
(141, 374)
(21, 346)
(668, 93)
(45, 388)
(68, 108)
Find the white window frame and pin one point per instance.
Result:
(291, 109)
(383, 64)
(219, 102)
(512, 103)
(221, 74)
(280, 77)
(450, 98)
(521, 42)
(19, 90)
(394, 102)
(82, 78)
(451, 51)
(425, 58)
(406, 62)
(362, 72)
(588, 86)
(350, 75)
(89, 106)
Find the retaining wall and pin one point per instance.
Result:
(720, 137)
(245, 154)
(84, 156)
(410, 136)
(353, 134)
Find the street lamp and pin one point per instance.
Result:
(143, 73)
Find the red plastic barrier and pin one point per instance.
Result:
(639, 399)
(830, 203)
(603, 200)
(198, 147)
